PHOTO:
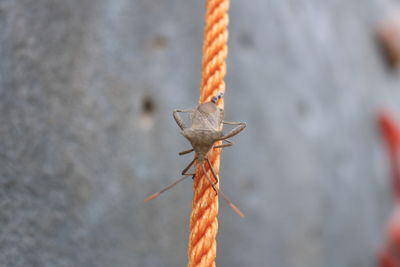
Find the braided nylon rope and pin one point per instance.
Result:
(203, 219)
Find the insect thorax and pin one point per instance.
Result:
(202, 140)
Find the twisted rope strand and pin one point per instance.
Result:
(203, 220)
(215, 49)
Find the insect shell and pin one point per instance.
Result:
(206, 128)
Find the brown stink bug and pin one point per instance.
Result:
(206, 125)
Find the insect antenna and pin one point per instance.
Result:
(233, 207)
(153, 196)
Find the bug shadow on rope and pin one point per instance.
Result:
(206, 128)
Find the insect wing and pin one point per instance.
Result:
(206, 121)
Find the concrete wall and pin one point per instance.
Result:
(86, 93)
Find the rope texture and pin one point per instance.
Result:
(388, 254)
(203, 220)
(391, 135)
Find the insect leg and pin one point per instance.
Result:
(188, 167)
(230, 143)
(186, 152)
(178, 118)
(213, 172)
(184, 172)
(233, 207)
(235, 130)
(185, 175)
(233, 123)
(209, 179)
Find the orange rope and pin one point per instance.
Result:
(203, 220)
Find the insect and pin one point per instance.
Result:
(389, 36)
(206, 125)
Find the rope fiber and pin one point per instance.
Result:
(203, 220)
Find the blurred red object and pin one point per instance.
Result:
(389, 36)
(389, 256)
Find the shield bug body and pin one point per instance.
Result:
(206, 128)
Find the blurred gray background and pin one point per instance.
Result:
(87, 89)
